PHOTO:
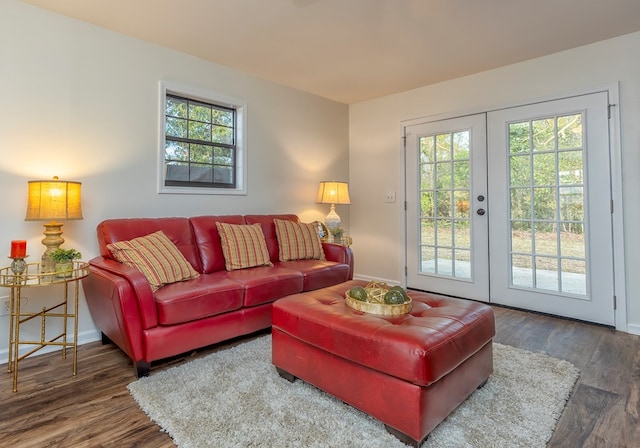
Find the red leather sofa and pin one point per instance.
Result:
(218, 305)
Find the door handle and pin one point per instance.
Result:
(481, 211)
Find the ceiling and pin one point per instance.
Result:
(355, 50)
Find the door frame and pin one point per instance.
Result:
(617, 221)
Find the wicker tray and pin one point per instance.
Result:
(375, 304)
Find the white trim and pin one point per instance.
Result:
(617, 222)
(241, 133)
(633, 329)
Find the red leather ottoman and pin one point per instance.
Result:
(407, 371)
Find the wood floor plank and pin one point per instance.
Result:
(52, 408)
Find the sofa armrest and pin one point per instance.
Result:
(340, 254)
(135, 295)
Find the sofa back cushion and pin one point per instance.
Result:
(207, 240)
(178, 230)
(269, 230)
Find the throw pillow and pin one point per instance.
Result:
(243, 246)
(156, 257)
(298, 241)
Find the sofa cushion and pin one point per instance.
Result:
(265, 284)
(298, 241)
(208, 295)
(156, 257)
(243, 246)
(318, 273)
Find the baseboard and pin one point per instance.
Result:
(633, 329)
(83, 338)
(376, 279)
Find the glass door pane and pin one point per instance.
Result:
(445, 201)
(548, 248)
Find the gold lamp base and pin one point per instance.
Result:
(52, 240)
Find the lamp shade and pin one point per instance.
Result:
(53, 199)
(332, 192)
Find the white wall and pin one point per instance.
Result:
(81, 103)
(376, 159)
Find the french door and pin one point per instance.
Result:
(513, 207)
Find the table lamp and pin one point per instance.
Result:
(333, 192)
(53, 200)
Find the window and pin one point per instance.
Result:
(202, 136)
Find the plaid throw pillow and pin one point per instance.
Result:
(298, 241)
(156, 257)
(243, 246)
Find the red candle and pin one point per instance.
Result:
(18, 249)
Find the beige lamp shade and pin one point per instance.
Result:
(332, 192)
(53, 199)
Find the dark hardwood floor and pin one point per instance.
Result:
(94, 409)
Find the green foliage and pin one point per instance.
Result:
(65, 255)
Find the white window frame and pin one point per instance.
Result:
(240, 107)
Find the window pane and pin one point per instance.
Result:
(444, 232)
(522, 271)
(426, 204)
(570, 132)
(427, 261)
(519, 137)
(570, 167)
(427, 180)
(427, 154)
(547, 273)
(223, 117)
(223, 156)
(544, 169)
(520, 203)
(463, 204)
(176, 127)
(522, 239)
(201, 153)
(199, 112)
(222, 135)
(200, 173)
(178, 171)
(176, 107)
(199, 131)
(543, 135)
(462, 175)
(427, 234)
(176, 151)
(571, 204)
(443, 175)
(544, 203)
(461, 145)
(443, 147)
(443, 206)
(223, 174)
(520, 170)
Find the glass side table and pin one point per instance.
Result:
(33, 278)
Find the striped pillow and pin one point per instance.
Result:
(298, 241)
(156, 257)
(243, 246)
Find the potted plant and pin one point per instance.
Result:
(337, 233)
(63, 261)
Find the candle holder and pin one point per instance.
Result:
(18, 265)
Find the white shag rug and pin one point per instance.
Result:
(235, 398)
